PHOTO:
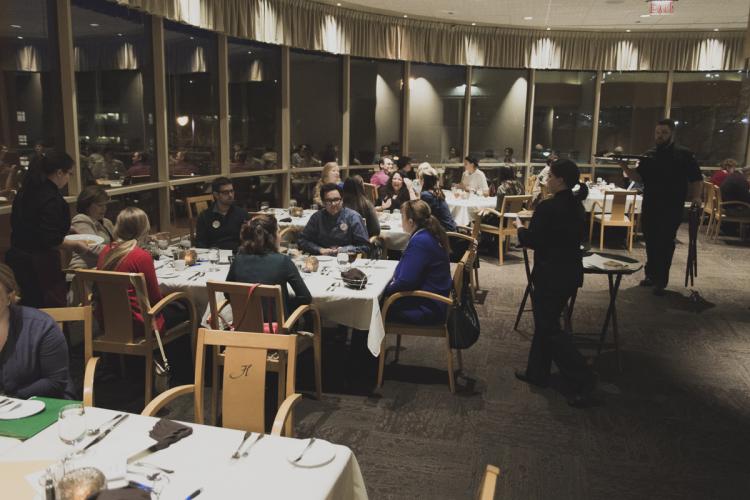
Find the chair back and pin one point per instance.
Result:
(458, 275)
(289, 235)
(195, 205)
(371, 191)
(717, 200)
(622, 202)
(530, 181)
(250, 312)
(113, 302)
(586, 177)
(708, 197)
(244, 380)
(513, 204)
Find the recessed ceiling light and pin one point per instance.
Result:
(20, 37)
(192, 38)
(405, 15)
(645, 15)
(119, 34)
(94, 25)
(549, 29)
(249, 51)
(716, 29)
(528, 18)
(16, 26)
(627, 31)
(338, 4)
(473, 24)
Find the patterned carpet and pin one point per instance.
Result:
(672, 424)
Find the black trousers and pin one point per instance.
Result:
(551, 343)
(179, 352)
(659, 231)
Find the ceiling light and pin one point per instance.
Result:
(627, 31)
(20, 37)
(549, 29)
(119, 34)
(249, 51)
(528, 18)
(405, 16)
(15, 26)
(645, 15)
(192, 38)
(338, 4)
(716, 29)
(94, 25)
(182, 120)
(473, 24)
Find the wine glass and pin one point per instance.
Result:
(342, 258)
(71, 426)
(292, 203)
(213, 258)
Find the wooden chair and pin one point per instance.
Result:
(195, 205)
(83, 314)
(470, 255)
(621, 215)
(586, 177)
(371, 191)
(709, 204)
(119, 336)
(437, 330)
(251, 316)
(721, 215)
(243, 400)
(505, 228)
(530, 182)
(489, 483)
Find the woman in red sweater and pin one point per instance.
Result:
(125, 256)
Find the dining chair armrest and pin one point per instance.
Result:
(165, 398)
(493, 212)
(466, 237)
(173, 297)
(415, 293)
(88, 381)
(596, 204)
(292, 320)
(285, 411)
(375, 239)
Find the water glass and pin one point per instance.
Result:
(264, 207)
(71, 425)
(314, 206)
(292, 203)
(342, 258)
(213, 258)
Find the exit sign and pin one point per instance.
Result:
(661, 7)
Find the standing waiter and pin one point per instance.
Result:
(669, 176)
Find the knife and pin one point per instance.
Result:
(105, 433)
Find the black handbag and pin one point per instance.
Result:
(463, 320)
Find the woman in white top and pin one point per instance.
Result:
(474, 179)
(91, 207)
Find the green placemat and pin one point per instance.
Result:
(24, 428)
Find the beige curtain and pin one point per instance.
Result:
(313, 26)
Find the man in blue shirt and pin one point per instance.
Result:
(335, 228)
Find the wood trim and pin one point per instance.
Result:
(286, 123)
(224, 155)
(668, 97)
(406, 93)
(530, 97)
(595, 121)
(467, 110)
(68, 89)
(160, 120)
(345, 110)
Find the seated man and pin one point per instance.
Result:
(735, 187)
(334, 228)
(220, 225)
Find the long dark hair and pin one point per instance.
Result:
(568, 171)
(420, 213)
(354, 195)
(259, 235)
(44, 165)
(389, 186)
(430, 183)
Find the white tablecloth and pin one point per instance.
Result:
(463, 210)
(359, 309)
(202, 460)
(597, 195)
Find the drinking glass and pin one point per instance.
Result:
(264, 207)
(342, 258)
(185, 242)
(71, 425)
(213, 258)
(314, 206)
(292, 203)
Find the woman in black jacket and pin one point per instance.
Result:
(555, 234)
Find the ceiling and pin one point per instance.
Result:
(565, 14)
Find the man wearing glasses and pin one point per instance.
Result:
(334, 229)
(219, 226)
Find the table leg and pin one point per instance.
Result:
(614, 287)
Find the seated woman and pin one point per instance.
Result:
(354, 198)
(395, 193)
(330, 175)
(33, 351)
(509, 186)
(259, 261)
(423, 266)
(91, 207)
(124, 255)
(434, 197)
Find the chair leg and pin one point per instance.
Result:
(601, 235)
(398, 347)
(476, 276)
(451, 375)
(281, 389)
(214, 386)
(630, 238)
(148, 392)
(381, 363)
(318, 361)
(501, 246)
(591, 227)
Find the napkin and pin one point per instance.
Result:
(128, 493)
(286, 219)
(167, 432)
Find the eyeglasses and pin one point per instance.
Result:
(334, 201)
(227, 191)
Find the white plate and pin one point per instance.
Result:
(325, 258)
(28, 407)
(93, 239)
(319, 454)
(167, 276)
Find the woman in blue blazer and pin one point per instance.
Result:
(424, 266)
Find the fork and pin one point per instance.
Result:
(309, 444)
(5, 409)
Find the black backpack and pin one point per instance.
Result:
(463, 321)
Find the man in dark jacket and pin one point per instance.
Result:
(334, 228)
(219, 226)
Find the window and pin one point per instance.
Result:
(375, 119)
(710, 111)
(436, 113)
(563, 110)
(498, 114)
(114, 91)
(254, 106)
(30, 106)
(148, 201)
(191, 60)
(315, 108)
(252, 192)
(631, 103)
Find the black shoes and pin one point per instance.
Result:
(646, 282)
(521, 375)
(583, 398)
(659, 291)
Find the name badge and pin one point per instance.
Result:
(343, 226)
(216, 224)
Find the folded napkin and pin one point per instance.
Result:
(167, 432)
(127, 493)
(286, 219)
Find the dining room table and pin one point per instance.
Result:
(337, 303)
(464, 205)
(596, 195)
(199, 464)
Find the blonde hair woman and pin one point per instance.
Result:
(331, 174)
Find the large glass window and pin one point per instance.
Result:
(30, 106)
(631, 103)
(114, 92)
(498, 114)
(436, 113)
(710, 111)
(254, 106)
(316, 108)
(375, 119)
(192, 100)
(563, 110)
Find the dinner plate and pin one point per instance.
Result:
(325, 258)
(91, 239)
(167, 276)
(319, 454)
(27, 408)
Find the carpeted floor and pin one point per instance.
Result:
(672, 424)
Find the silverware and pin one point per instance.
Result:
(105, 433)
(6, 409)
(193, 276)
(245, 437)
(260, 436)
(309, 444)
(94, 432)
(144, 464)
(6, 402)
